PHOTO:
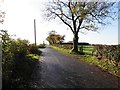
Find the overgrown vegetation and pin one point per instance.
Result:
(106, 66)
(18, 61)
(41, 45)
(109, 52)
(103, 56)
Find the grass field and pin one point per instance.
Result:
(87, 49)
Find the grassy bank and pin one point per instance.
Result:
(66, 51)
(104, 65)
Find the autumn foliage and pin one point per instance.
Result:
(54, 38)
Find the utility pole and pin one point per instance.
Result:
(35, 31)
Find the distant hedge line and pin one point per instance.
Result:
(82, 43)
(65, 46)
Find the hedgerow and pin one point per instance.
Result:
(17, 64)
(110, 53)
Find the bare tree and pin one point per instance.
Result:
(79, 16)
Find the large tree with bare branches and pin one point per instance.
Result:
(79, 16)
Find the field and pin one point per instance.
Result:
(87, 49)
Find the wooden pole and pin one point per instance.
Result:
(35, 30)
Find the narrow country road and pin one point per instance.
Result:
(58, 70)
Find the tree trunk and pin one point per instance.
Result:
(75, 43)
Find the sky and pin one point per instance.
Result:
(19, 21)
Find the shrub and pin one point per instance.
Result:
(33, 49)
(16, 65)
(21, 48)
(41, 45)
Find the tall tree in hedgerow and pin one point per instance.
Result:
(80, 16)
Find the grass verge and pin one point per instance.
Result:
(66, 51)
(104, 65)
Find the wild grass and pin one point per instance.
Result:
(66, 51)
(103, 64)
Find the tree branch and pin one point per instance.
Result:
(64, 21)
(66, 16)
(94, 16)
(87, 28)
(80, 22)
(60, 7)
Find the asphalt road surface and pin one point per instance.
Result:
(58, 70)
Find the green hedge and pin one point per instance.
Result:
(41, 46)
(108, 52)
(18, 60)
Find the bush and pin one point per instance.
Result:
(17, 63)
(21, 48)
(7, 54)
(41, 45)
(34, 49)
